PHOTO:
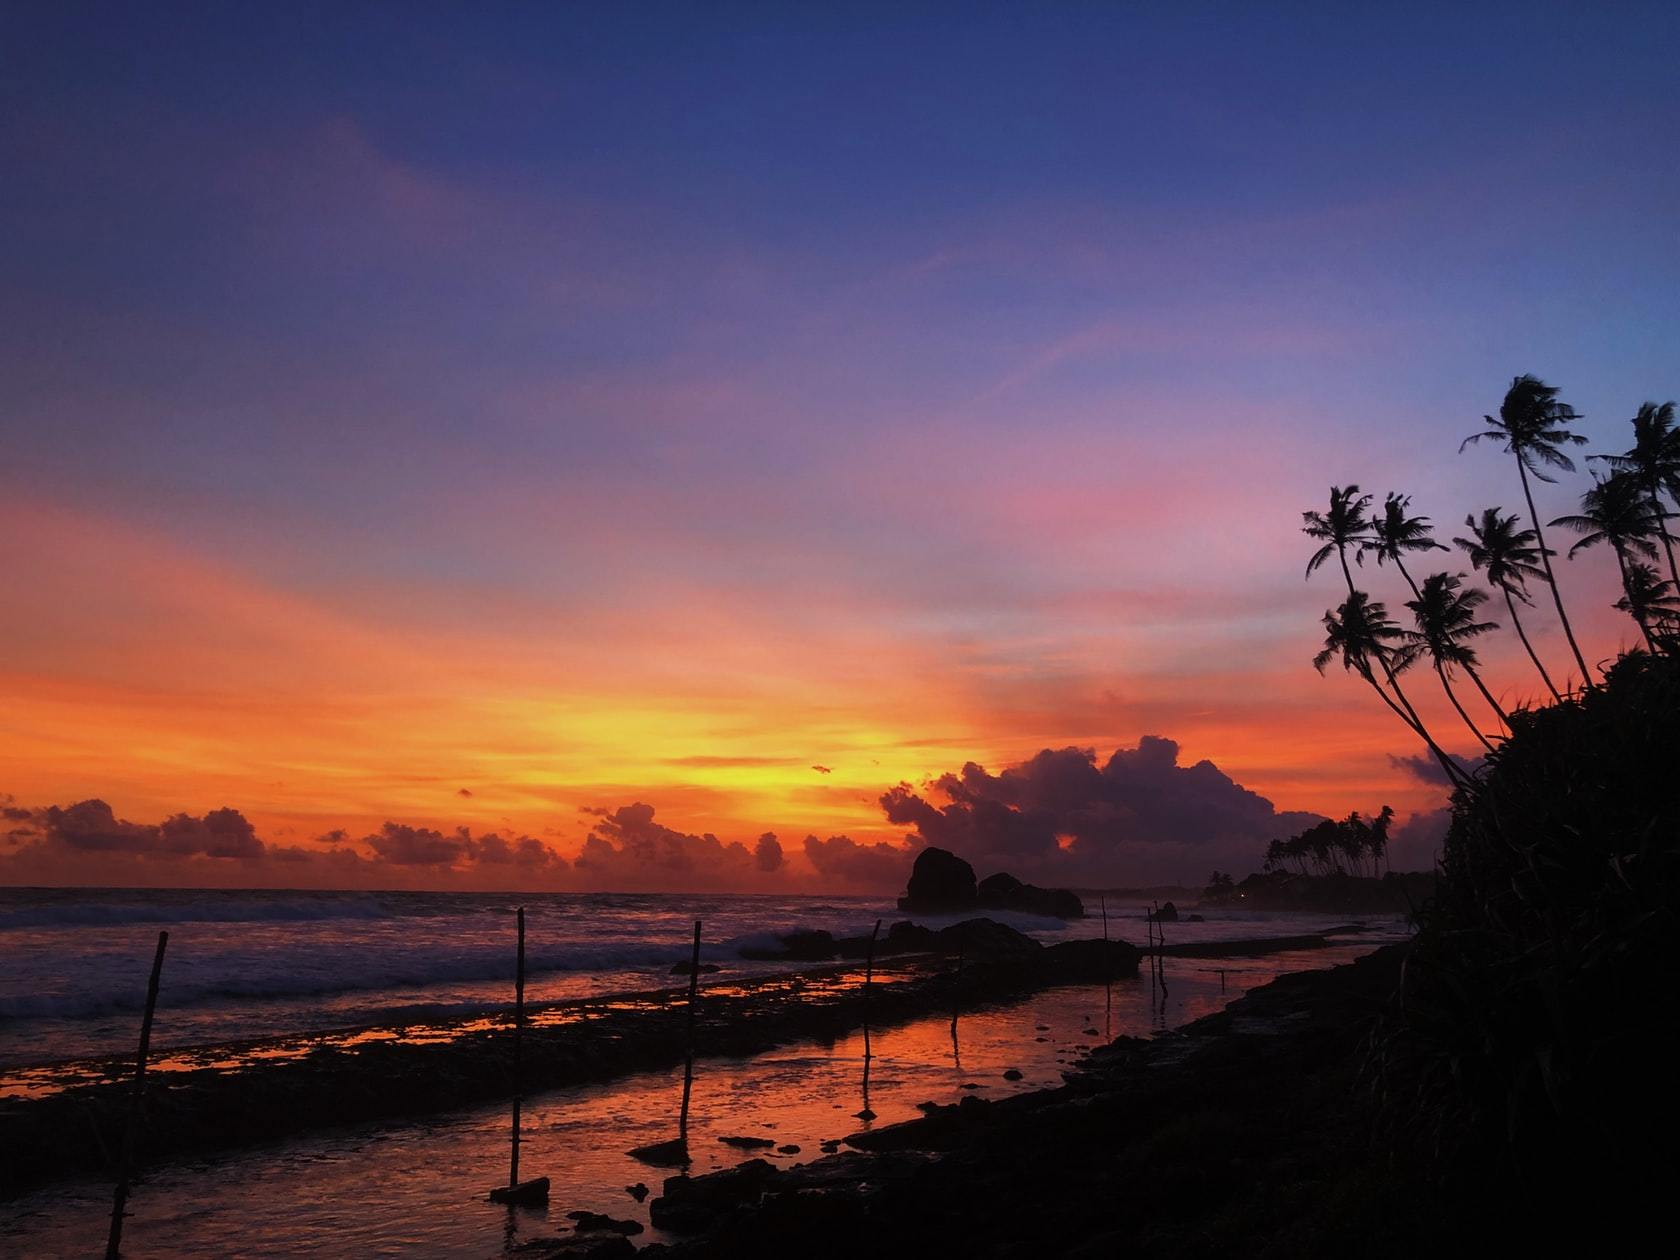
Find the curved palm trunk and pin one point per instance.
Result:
(1441, 671)
(1516, 623)
(1410, 714)
(1486, 694)
(1633, 607)
(1446, 686)
(1551, 578)
(1662, 527)
(1455, 776)
(1407, 713)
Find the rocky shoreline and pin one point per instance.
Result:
(76, 1131)
(1241, 1134)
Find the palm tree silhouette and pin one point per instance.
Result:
(1347, 525)
(1617, 511)
(1359, 631)
(1654, 461)
(1652, 601)
(1393, 534)
(1532, 424)
(1446, 622)
(1508, 555)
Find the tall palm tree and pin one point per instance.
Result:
(1616, 511)
(1508, 555)
(1654, 461)
(1652, 601)
(1346, 525)
(1358, 632)
(1533, 424)
(1393, 534)
(1446, 622)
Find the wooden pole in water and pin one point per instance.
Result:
(688, 1062)
(534, 1191)
(868, 984)
(518, 1038)
(113, 1242)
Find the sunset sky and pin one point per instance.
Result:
(502, 417)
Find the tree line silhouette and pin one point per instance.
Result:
(1627, 507)
(1348, 846)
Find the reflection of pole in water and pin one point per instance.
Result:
(956, 1000)
(1108, 974)
(868, 1053)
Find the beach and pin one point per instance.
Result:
(779, 1061)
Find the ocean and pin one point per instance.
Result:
(244, 965)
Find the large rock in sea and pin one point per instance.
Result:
(987, 940)
(1004, 892)
(940, 882)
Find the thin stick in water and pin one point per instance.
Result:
(518, 1036)
(688, 1060)
(113, 1243)
(868, 984)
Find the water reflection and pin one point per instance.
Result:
(417, 1189)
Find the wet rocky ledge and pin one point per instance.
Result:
(1241, 1134)
(77, 1131)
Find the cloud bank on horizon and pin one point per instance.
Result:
(1059, 818)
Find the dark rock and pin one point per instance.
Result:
(790, 1149)
(683, 968)
(1168, 913)
(672, 1154)
(1004, 892)
(830, 1146)
(987, 940)
(905, 936)
(1194, 918)
(599, 1222)
(690, 1204)
(638, 1192)
(575, 1247)
(1012, 1074)
(940, 882)
(1095, 961)
(865, 1114)
(748, 1143)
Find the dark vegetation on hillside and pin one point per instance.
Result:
(1527, 1064)
(1533, 1043)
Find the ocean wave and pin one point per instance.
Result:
(210, 910)
(317, 975)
